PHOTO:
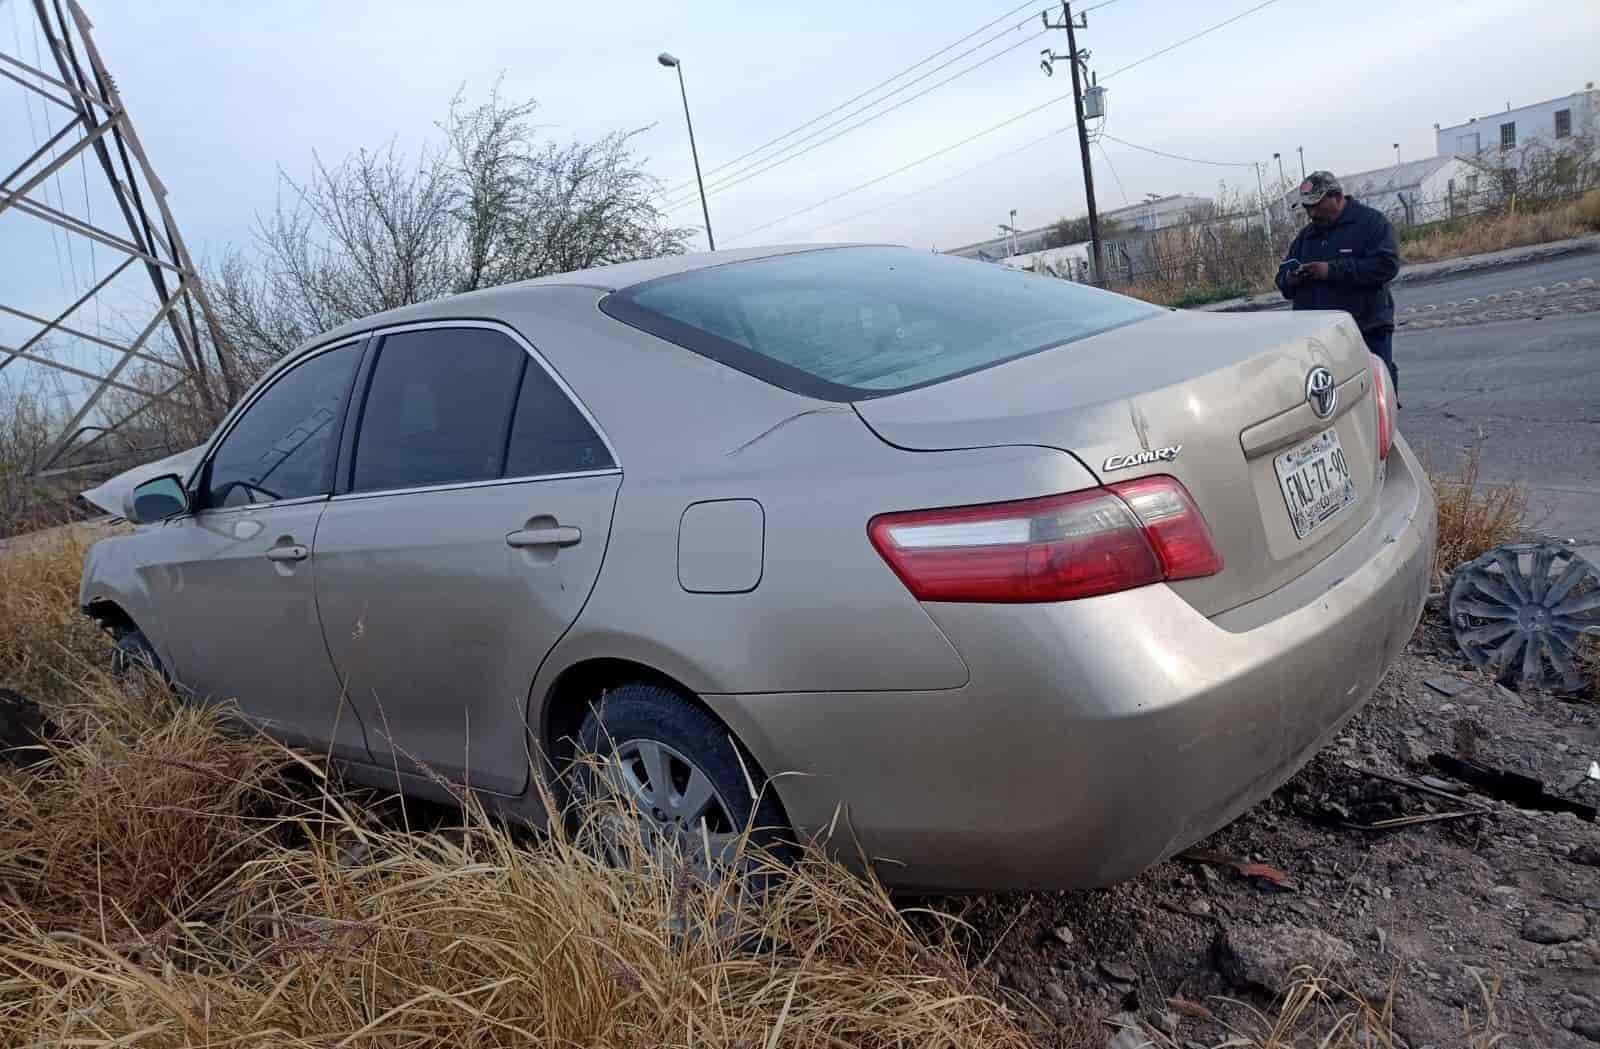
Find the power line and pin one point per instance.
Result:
(906, 167)
(851, 101)
(677, 191)
(1014, 119)
(1188, 39)
(944, 181)
(757, 168)
(1179, 156)
(1107, 158)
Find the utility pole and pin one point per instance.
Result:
(1302, 150)
(1266, 216)
(1077, 57)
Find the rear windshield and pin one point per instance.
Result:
(846, 324)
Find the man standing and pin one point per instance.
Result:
(1344, 260)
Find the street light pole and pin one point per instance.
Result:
(1302, 150)
(672, 62)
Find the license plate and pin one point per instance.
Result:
(1316, 482)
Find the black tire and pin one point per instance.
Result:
(625, 716)
(134, 654)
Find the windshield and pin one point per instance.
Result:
(850, 323)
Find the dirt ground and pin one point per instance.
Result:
(1410, 914)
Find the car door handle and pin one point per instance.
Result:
(560, 535)
(287, 553)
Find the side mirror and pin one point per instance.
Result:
(156, 500)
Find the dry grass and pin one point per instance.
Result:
(164, 883)
(1474, 517)
(1514, 229)
(44, 640)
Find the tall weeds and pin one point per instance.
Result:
(1474, 517)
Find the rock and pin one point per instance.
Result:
(1121, 972)
(1266, 957)
(1165, 1022)
(1446, 686)
(1573, 1000)
(1414, 753)
(1063, 935)
(1130, 1034)
(1588, 1026)
(1553, 927)
(1588, 854)
(1413, 731)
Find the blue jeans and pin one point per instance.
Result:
(1381, 342)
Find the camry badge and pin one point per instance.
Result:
(1154, 455)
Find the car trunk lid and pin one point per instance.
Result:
(1214, 400)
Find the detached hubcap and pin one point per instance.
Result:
(1526, 611)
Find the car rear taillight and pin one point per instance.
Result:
(1056, 548)
(1383, 397)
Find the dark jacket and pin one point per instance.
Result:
(1362, 259)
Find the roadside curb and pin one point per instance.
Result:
(1428, 271)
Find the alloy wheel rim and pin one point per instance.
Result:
(677, 804)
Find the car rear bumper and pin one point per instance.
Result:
(1098, 737)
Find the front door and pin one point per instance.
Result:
(469, 534)
(237, 584)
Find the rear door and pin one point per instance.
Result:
(472, 515)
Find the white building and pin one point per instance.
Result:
(1509, 139)
(1419, 191)
(1147, 216)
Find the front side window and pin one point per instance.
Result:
(850, 323)
(1508, 136)
(1563, 123)
(285, 443)
(438, 409)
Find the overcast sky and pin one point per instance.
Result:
(224, 94)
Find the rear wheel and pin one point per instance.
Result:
(690, 784)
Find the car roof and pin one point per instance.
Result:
(600, 278)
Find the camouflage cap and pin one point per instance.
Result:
(1317, 185)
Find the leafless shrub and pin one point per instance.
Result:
(490, 203)
(1474, 517)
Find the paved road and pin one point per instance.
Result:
(1569, 268)
(1527, 390)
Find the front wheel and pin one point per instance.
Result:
(691, 785)
(134, 654)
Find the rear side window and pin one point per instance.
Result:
(283, 446)
(438, 409)
(549, 435)
(851, 323)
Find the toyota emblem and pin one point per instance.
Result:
(1321, 393)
